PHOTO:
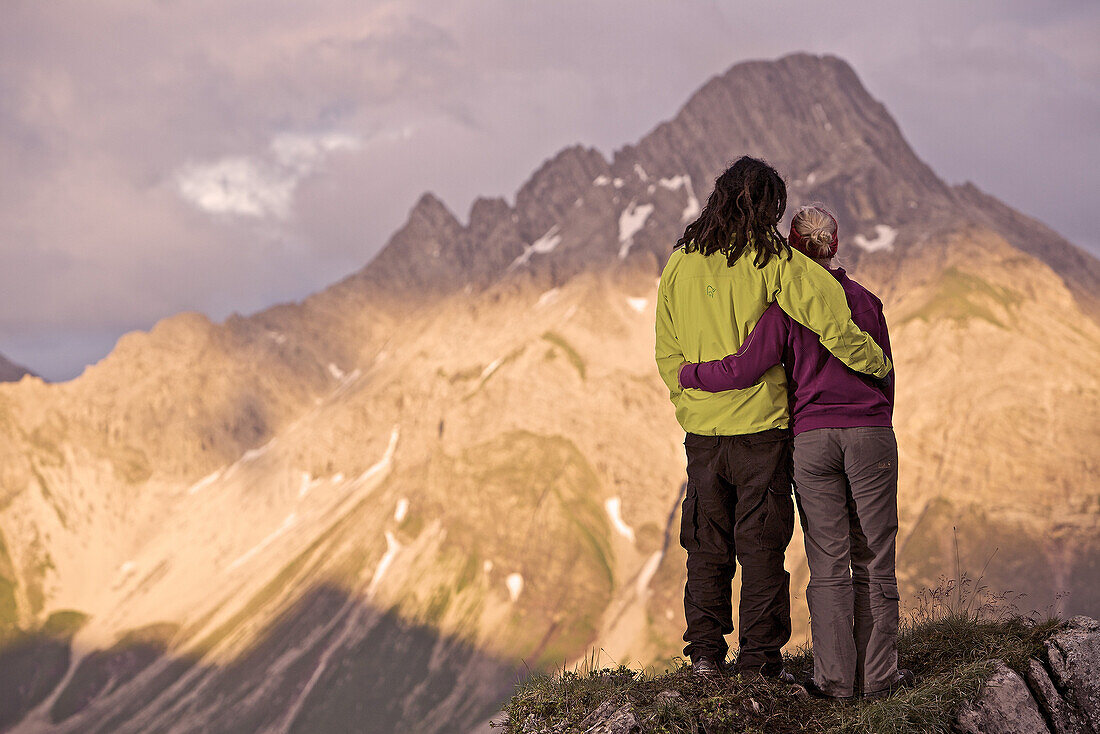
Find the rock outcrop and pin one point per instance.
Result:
(1056, 694)
(1061, 695)
(1005, 705)
(1074, 659)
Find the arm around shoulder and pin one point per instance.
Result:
(814, 298)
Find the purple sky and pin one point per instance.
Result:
(224, 156)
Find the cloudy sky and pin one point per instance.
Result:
(224, 155)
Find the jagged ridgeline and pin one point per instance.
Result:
(10, 371)
(375, 508)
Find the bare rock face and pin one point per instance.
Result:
(811, 118)
(1074, 657)
(1080, 272)
(1005, 705)
(611, 718)
(549, 194)
(422, 254)
(1062, 697)
(1062, 717)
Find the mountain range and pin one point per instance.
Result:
(374, 509)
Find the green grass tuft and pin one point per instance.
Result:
(949, 651)
(960, 296)
(571, 354)
(64, 623)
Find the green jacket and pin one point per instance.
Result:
(705, 310)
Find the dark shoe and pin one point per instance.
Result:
(905, 678)
(815, 692)
(707, 666)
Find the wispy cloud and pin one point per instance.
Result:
(260, 186)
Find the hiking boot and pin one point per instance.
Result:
(707, 666)
(815, 691)
(905, 678)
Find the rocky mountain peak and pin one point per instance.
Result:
(10, 371)
(486, 212)
(419, 255)
(811, 118)
(549, 194)
(431, 213)
(808, 115)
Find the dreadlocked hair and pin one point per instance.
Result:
(742, 212)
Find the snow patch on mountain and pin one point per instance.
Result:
(491, 368)
(691, 209)
(383, 465)
(647, 572)
(288, 522)
(401, 510)
(601, 180)
(641, 172)
(614, 506)
(253, 454)
(883, 240)
(335, 371)
(514, 582)
(348, 379)
(541, 246)
(392, 548)
(631, 221)
(304, 485)
(204, 482)
(548, 297)
(638, 304)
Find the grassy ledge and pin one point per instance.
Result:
(949, 652)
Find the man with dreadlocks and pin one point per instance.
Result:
(727, 268)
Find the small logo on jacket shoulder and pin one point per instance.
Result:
(711, 291)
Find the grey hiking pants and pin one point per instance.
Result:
(846, 483)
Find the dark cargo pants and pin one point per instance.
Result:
(738, 508)
(846, 480)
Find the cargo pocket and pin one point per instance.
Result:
(688, 519)
(778, 526)
(889, 612)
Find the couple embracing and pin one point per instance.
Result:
(778, 365)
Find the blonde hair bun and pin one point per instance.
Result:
(816, 227)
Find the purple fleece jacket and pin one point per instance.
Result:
(824, 393)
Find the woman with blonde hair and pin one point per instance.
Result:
(845, 475)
